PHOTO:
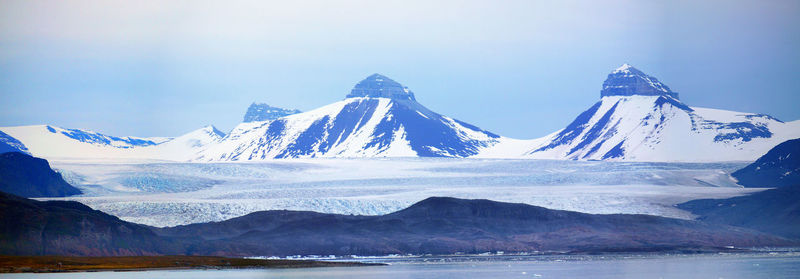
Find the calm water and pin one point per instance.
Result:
(784, 265)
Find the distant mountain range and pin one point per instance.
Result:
(638, 118)
(51, 142)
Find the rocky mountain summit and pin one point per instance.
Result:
(638, 118)
(264, 112)
(628, 81)
(380, 86)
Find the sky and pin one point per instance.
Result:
(521, 69)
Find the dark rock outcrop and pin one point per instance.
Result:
(27, 176)
(449, 225)
(435, 225)
(778, 168)
(379, 86)
(29, 227)
(774, 211)
(629, 81)
(264, 112)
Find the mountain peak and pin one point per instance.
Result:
(626, 68)
(380, 86)
(628, 81)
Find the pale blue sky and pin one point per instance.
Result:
(518, 68)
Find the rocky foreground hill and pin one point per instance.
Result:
(434, 225)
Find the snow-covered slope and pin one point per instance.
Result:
(185, 147)
(51, 142)
(48, 142)
(10, 144)
(380, 118)
(640, 119)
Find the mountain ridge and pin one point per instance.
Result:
(264, 112)
(437, 225)
(443, 225)
(638, 118)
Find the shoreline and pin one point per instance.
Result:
(59, 264)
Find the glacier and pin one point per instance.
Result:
(172, 193)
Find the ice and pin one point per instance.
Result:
(168, 194)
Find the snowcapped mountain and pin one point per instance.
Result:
(184, 147)
(52, 142)
(264, 112)
(638, 118)
(379, 118)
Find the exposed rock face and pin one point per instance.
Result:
(449, 225)
(628, 81)
(379, 86)
(29, 227)
(23, 175)
(264, 112)
(778, 168)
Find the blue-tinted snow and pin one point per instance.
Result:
(10, 144)
(574, 129)
(98, 138)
